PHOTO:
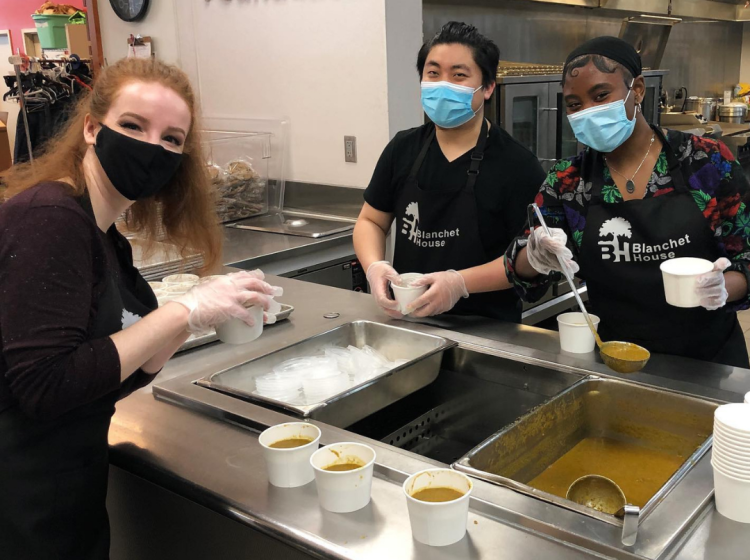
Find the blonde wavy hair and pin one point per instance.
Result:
(185, 207)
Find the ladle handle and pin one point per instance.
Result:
(568, 275)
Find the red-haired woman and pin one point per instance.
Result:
(79, 327)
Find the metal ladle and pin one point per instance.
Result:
(604, 495)
(622, 357)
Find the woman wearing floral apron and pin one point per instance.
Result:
(635, 197)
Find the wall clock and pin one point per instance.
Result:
(130, 10)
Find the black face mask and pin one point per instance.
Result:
(136, 169)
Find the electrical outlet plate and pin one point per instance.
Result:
(350, 149)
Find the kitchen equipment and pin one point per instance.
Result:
(733, 113)
(438, 523)
(289, 468)
(423, 352)
(344, 491)
(622, 357)
(597, 492)
(344, 272)
(292, 223)
(649, 35)
(680, 278)
(602, 494)
(693, 104)
(708, 108)
(528, 104)
(648, 440)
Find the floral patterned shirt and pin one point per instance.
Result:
(717, 183)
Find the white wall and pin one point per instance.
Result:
(321, 63)
(159, 23)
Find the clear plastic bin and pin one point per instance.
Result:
(238, 166)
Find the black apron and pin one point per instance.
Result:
(53, 473)
(438, 229)
(623, 245)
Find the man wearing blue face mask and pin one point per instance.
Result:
(635, 198)
(457, 188)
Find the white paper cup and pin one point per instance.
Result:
(575, 334)
(157, 285)
(680, 276)
(191, 279)
(733, 417)
(738, 438)
(747, 398)
(731, 468)
(405, 295)
(236, 331)
(289, 468)
(343, 491)
(732, 496)
(730, 450)
(438, 523)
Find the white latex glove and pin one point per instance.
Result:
(445, 289)
(228, 297)
(379, 274)
(711, 286)
(542, 251)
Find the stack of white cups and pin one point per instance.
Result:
(731, 461)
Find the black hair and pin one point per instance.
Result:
(602, 63)
(485, 52)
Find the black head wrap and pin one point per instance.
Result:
(612, 48)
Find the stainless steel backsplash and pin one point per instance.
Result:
(704, 57)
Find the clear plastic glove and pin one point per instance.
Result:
(542, 251)
(379, 274)
(229, 297)
(711, 287)
(445, 289)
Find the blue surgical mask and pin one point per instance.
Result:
(448, 105)
(604, 127)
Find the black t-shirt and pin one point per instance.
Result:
(509, 179)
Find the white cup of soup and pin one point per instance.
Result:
(343, 475)
(287, 449)
(438, 502)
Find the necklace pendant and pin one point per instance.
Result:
(630, 186)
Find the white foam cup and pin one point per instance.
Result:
(343, 491)
(236, 331)
(289, 468)
(438, 523)
(575, 334)
(732, 496)
(406, 294)
(680, 277)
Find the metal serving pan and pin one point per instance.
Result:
(423, 352)
(595, 408)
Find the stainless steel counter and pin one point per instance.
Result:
(219, 465)
(254, 249)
